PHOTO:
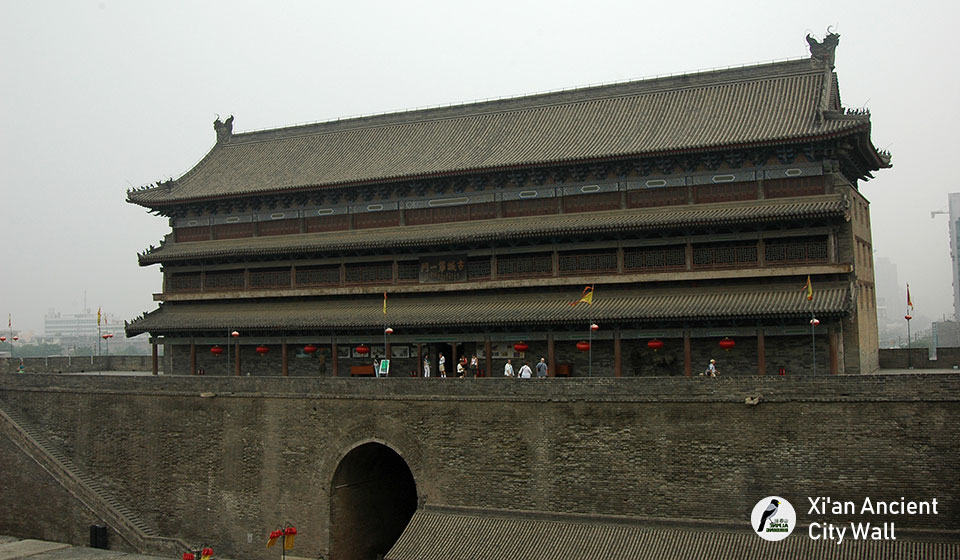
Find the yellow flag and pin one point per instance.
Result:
(586, 298)
(384, 303)
(809, 289)
(98, 316)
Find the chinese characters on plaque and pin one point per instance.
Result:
(443, 269)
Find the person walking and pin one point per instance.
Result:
(711, 369)
(542, 368)
(525, 371)
(508, 369)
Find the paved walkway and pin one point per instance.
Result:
(12, 548)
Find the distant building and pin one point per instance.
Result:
(79, 329)
(698, 206)
(954, 201)
(946, 334)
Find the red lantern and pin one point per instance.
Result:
(105, 337)
(290, 531)
(234, 334)
(388, 330)
(262, 349)
(907, 317)
(815, 322)
(3, 339)
(521, 347)
(189, 556)
(206, 552)
(16, 338)
(216, 350)
(309, 348)
(362, 349)
(727, 343)
(655, 344)
(594, 327)
(583, 346)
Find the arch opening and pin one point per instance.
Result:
(373, 497)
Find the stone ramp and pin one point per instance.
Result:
(15, 549)
(84, 487)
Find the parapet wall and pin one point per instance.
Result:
(78, 364)
(224, 460)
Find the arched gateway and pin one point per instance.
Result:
(373, 496)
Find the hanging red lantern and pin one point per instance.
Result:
(207, 552)
(388, 330)
(655, 344)
(216, 350)
(3, 339)
(309, 348)
(105, 337)
(815, 322)
(594, 327)
(262, 349)
(521, 347)
(16, 338)
(234, 334)
(583, 346)
(290, 531)
(362, 349)
(907, 317)
(727, 343)
(189, 556)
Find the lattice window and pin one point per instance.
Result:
(722, 255)
(184, 282)
(233, 231)
(273, 278)
(648, 198)
(525, 265)
(795, 186)
(408, 272)
(478, 269)
(226, 280)
(317, 224)
(658, 258)
(580, 263)
(280, 227)
(370, 274)
(591, 202)
(318, 276)
(532, 207)
(182, 235)
(726, 192)
(386, 218)
(802, 250)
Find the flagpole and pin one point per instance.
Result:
(813, 340)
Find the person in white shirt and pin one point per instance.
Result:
(525, 371)
(442, 365)
(426, 366)
(508, 369)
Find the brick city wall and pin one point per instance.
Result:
(919, 358)
(78, 364)
(223, 460)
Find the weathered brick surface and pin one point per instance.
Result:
(263, 451)
(78, 364)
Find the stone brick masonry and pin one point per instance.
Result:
(213, 460)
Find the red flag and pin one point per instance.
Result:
(909, 301)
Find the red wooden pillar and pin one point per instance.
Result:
(761, 353)
(419, 368)
(488, 352)
(453, 362)
(387, 354)
(156, 358)
(285, 368)
(193, 359)
(687, 360)
(551, 356)
(617, 354)
(834, 352)
(333, 358)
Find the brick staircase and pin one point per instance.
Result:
(85, 488)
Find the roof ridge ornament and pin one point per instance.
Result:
(824, 51)
(224, 129)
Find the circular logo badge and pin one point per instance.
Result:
(773, 518)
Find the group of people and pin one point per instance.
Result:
(473, 367)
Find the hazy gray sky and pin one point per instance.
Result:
(98, 97)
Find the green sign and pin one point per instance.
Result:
(384, 368)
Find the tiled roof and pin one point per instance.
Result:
(587, 223)
(495, 309)
(452, 536)
(760, 105)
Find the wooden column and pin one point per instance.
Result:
(687, 361)
(617, 354)
(419, 360)
(551, 356)
(488, 351)
(236, 360)
(387, 347)
(761, 353)
(453, 361)
(285, 368)
(834, 352)
(193, 359)
(335, 365)
(156, 359)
